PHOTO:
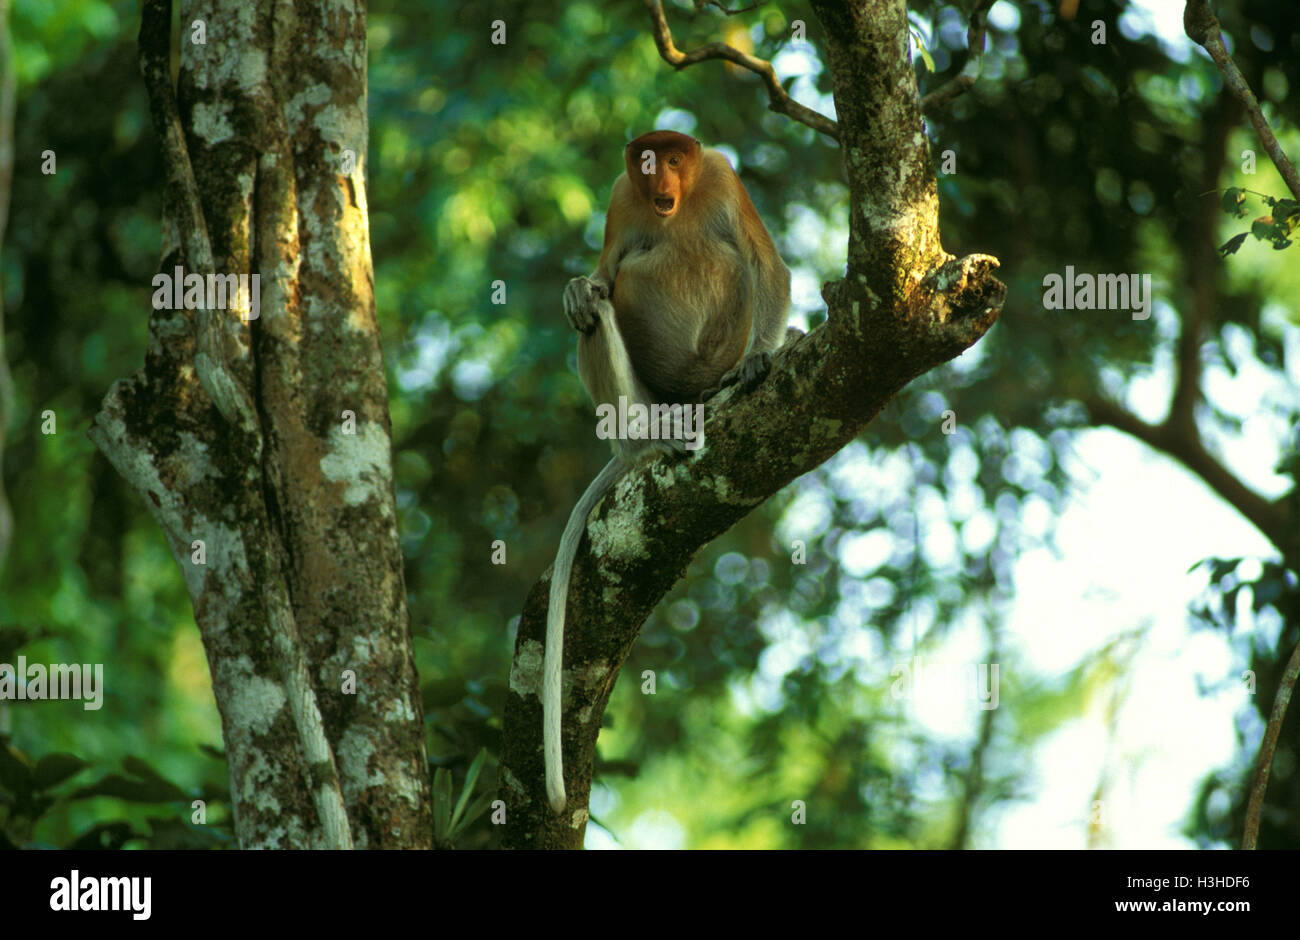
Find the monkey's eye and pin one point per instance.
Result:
(674, 161)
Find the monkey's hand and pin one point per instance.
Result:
(751, 371)
(583, 298)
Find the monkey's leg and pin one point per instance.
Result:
(607, 372)
(752, 369)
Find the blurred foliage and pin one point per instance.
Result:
(451, 823)
(493, 163)
(1275, 228)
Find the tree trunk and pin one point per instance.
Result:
(258, 433)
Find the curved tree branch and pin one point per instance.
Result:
(822, 391)
(1202, 27)
(781, 102)
(1202, 271)
(1272, 518)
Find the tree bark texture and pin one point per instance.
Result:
(268, 439)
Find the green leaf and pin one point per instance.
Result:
(133, 791)
(1232, 202)
(1263, 228)
(15, 772)
(137, 767)
(112, 835)
(920, 47)
(470, 777)
(442, 802)
(1286, 210)
(53, 769)
(1232, 244)
(475, 811)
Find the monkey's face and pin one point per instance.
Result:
(663, 166)
(666, 185)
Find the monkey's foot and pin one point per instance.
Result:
(635, 448)
(671, 446)
(751, 371)
(582, 300)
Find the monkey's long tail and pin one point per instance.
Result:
(552, 667)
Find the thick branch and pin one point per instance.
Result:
(780, 100)
(155, 44)
(220, 337)
(1202, 27)
(326, 790)
(894, 203)
(1271, 518)
(822, 391)
(1202, 270)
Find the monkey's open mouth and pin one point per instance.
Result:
(664, 205)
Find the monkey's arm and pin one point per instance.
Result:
(584, 295)
(767, 330)
(768, 284)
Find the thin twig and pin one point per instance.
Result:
(970, 69)
(781, 102)
(1257, 789)
(1202, 27)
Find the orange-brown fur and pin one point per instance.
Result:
(689, 295)
(691, 286)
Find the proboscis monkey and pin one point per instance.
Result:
(699, 301)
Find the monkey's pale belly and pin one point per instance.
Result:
(679, 331)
